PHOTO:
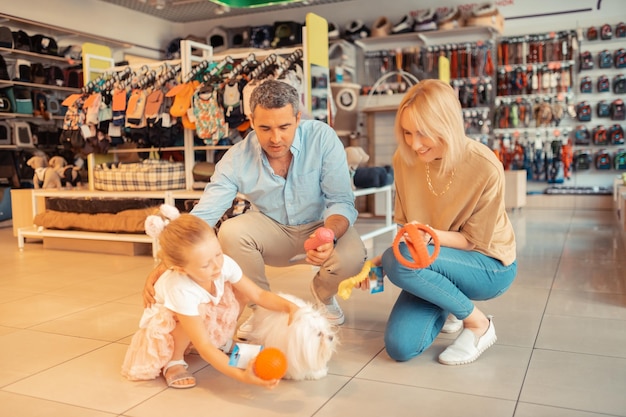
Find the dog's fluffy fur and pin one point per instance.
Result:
(308, 342)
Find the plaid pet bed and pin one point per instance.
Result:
(148, 175)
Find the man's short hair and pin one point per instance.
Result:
(273, 94)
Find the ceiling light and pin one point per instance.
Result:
(252, 3)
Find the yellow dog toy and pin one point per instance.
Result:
(345, 286)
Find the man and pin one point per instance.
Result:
(295, 174)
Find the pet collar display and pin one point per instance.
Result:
(606, 32)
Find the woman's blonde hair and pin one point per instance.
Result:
(179, 236)
(435, 108)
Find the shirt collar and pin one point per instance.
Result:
(296, 146)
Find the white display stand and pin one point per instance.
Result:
(385, 192)
(35, 232)
(388, 225)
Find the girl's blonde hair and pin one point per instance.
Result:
(435, 108)
(179, 236)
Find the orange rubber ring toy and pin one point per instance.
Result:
(417, 247)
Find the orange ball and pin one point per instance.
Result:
(270, 363)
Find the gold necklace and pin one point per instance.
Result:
(430, 185)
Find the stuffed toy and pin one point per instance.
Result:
(366, 177)
(69, 174)
(44, 177)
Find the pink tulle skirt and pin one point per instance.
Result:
(152, 346)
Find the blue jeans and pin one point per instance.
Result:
(428, 295)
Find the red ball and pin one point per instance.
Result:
(270, 363)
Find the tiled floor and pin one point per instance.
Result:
(66, 319)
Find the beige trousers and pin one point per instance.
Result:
(254, 240)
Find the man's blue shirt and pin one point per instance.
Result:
(318, 183)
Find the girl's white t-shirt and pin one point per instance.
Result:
(180, 294)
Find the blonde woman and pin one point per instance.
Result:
(456, 186)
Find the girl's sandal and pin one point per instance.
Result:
(173, 378)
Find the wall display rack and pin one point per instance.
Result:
(471, 54)
(53, 89)
(36, 113)
(538, 124)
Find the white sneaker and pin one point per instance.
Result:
(245, 330)
(452, 324)
(334, 313)
(467, 347)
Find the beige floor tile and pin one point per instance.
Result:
(367, 398)
(590, 276)
(92, 380)
(25, 406)
(534, 273)
(517, 314)
(12, 295)
(26, 352)
(108, 322)
(41, 308)
(498, 373)
(583, 335)
(38, 282)
(356, 349)
(113, 287)
(587, 304)
(578, 381)
(217, 392)
(6, 330)
(535, 410)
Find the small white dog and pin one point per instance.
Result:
(308, 342)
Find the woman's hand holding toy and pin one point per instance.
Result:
(416, 245)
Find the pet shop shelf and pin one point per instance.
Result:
(59, 32)
(88, 241)
(41, 70)
(27, 203)
(7, 83)
(385, 193)
(428, 38)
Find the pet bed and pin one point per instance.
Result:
(126, 221)
(148, 175)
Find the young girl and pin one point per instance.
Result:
(198, 300)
